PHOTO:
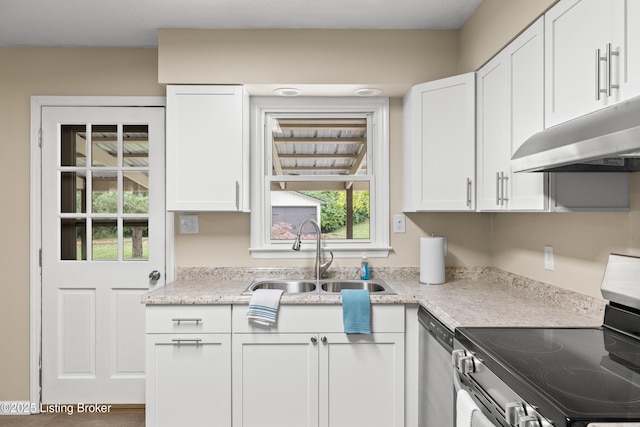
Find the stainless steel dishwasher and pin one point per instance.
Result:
(435, 373)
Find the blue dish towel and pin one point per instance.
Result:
(356, 311)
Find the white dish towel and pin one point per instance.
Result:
(467, 412)
(263, 307)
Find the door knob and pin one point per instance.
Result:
(154, 276)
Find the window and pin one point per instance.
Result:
(325, 159)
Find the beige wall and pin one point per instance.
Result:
(23, 73)
(385, 58)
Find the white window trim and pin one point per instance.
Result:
(378, 108)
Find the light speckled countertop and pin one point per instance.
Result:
(470, 297)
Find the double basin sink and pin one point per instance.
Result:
(324, 286)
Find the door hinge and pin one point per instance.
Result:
(40, 138)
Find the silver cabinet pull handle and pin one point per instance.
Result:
(314, 340)
(237, 196)
(324, 340)
(503, 198)
(468, 192)
(610, 53)
(598, 59)
(197, 320)
(187, 341)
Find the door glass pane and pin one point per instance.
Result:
(73, 239)
(135, 192)
(135, 146)
(104, 145)
(73, 145)
(104, 234)
(73, 192)
(136, 239)
(104, 198)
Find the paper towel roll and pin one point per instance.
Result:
(432, 252)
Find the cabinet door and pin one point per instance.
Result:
(627, 40)
(362, 380)
(188, 381)
(493, 132)
(527, 191)
(439, 145)
(574, 31)
(275, 380)
(207, 148)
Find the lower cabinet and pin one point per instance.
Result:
(188, 380)
(327, 379)
(318, 380)
(303, 372)
(188, 366)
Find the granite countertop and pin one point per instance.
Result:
(469, 297)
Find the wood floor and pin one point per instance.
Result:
(114, 419)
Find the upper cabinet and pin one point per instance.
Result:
(592, 56)
(207, 148)
(510, 96)
(439, 145)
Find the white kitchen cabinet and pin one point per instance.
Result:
(510, 96)
(628, 11)
(207, 165)
(188, 366)
(510, 109)
(439, 145)
(294, 375)
(591, 56)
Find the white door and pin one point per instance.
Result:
(103, 233)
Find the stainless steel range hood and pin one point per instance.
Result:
(607, 140)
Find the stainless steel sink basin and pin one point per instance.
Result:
(329, 286)
(288, 286)
(373, 286)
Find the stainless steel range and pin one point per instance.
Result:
(578, 377)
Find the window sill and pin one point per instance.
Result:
(351, 252)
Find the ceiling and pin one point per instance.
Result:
(134, 23)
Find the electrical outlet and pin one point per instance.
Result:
(399, 223)
(548, 258)
(189, 224)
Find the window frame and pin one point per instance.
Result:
(377, 110)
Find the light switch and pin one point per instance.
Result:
(188, 224)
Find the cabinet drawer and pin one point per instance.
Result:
(187, 319)
(319, 318)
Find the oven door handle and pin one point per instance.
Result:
(455, 356)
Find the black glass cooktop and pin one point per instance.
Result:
(583, 373)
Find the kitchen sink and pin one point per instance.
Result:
(327, 286)
(373, 286)
(288, 286)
